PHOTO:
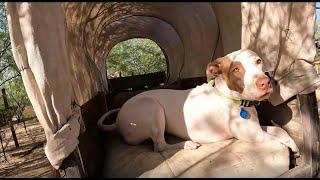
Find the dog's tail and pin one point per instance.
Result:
(104, 127)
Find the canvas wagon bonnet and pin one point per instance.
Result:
(60, 49)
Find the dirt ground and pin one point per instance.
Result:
(29, 160)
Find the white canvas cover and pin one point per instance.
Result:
(38, 36)
(59, 46)
(284, 32)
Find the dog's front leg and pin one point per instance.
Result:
(283, 137)
(251, 131)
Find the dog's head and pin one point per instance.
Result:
(242, 72)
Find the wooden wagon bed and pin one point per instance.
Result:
(228, 158)
(106, 154)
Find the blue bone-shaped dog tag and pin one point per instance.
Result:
(244, 113)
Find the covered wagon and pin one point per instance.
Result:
(61, 49)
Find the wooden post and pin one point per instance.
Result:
(6, 106)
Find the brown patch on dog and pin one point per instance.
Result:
(235, 78)
(232, 72)
(214, 68)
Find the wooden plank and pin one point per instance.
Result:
(137, 81)
(88, 159)
(117, 99)
(91, 143)
(297, 172)
(72, 166)
(310, 119)
(187, 83)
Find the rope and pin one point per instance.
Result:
(215, 48)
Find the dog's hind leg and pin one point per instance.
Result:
(161, 145)
(136, 125)
(158, 130)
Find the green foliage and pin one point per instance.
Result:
(3, 18)
(317, 35)
(10, 77)
(135, 56)
(8, 68)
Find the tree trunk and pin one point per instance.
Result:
(4, 153)
(6, 106)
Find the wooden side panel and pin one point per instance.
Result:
(137, 81)
(88, 159)
(297, 172)
(117, 97)
(72, 167)
(91, 144)
(310, 119)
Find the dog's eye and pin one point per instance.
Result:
(259, 61)
(236, 70)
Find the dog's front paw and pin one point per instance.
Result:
(296, 152)
(296, 155)
(190, 145)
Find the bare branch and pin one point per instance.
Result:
(4, 68)
(9, 79)
(5, 48)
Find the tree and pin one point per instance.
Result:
(10, 77)
(136, 56)
(8, 68)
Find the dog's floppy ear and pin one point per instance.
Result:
(213, 69)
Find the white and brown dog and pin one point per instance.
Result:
(205, 114)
